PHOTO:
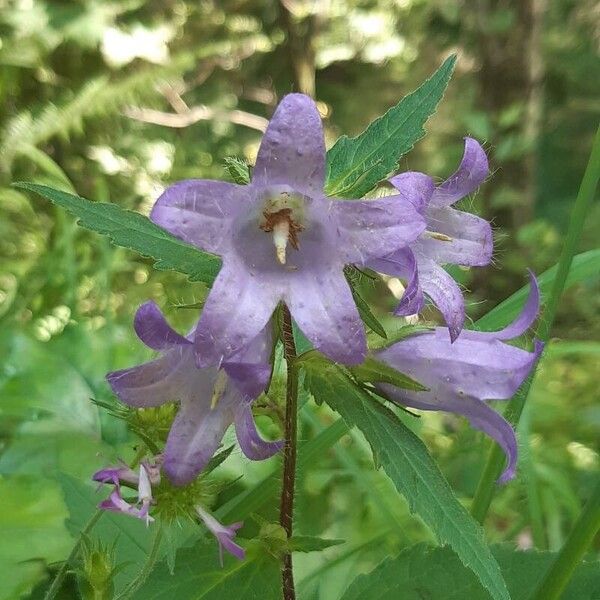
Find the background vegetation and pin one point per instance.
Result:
(116, 99)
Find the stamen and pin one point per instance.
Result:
(219, 389)
(438, 236)
(281, 234)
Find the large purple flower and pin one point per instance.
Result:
(281, 239)
(451, 237)
(463, 376)
(210, 398)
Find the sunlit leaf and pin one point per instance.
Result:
(136, 232)
(356, 165)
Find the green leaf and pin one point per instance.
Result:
(585, 267)
(368, 318)
(32, 532)
(136, 232)
(410, 467)
(238, 170)
(356, 165)
(198, 575)
(375, 371)
(308, 543)
(436, 574)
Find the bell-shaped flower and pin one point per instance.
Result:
(463, 376)
(451, 237)
(211, 398)
(224, 534)
(281, 239)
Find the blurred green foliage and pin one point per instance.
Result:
(116, 99)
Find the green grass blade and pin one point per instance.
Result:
(587, 189)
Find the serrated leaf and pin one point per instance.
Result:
(436, 574)
(409, 465)
(198, 575)
(135, 232)
(375, 371)
(356, 165)
(307, 543)
(238, 170)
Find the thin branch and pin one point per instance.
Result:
(195, 114)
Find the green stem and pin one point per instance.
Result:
(286, 513)
(58, 579)
(558, 575)
(146, 569)
(495, 461)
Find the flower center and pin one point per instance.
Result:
(283, 216)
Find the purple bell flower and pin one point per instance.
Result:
(451, 237)
(463, 376)
(281, 239)
(211, 399)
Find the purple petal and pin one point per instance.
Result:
(251, 380)
(480, 416)
(196, 434)
(369, 229)
(250, 368)
(471, 242)
(471, 173)
(322, 305)
(157, 382)
(417, 188)
(444, 293)
(236, 310)
(474, 365)
(251, 443)
(292, 151)
(402, 263)
(201, 212)
(116, 475)
(224, 534)
(152, 328)
(524, 321)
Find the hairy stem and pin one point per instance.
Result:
(286, 513)
(485, 489)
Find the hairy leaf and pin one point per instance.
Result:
(198, 575)
(136, 232)
(436, 574)
(356, 165)
(410, 467)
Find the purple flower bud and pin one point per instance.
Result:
(224, 535)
